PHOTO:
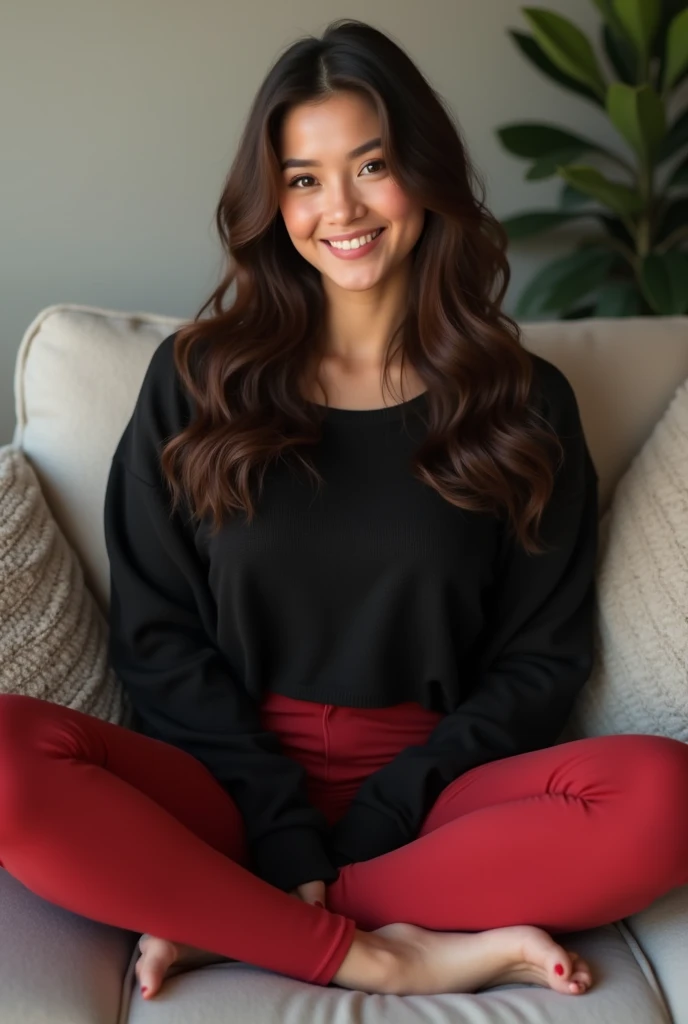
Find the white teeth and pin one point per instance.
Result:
(355, 243)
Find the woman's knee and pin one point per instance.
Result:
(660, 765)
(32, 733)
(655, 770)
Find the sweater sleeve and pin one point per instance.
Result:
(524, 680)
(162, 619)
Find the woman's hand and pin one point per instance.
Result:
(310, 892)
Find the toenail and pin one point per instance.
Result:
(144, 989)
(559, 968)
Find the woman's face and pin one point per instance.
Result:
(341, 186)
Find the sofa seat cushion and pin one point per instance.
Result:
(625, 990)
(57, 967)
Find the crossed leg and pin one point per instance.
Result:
(565, 838)
(135, 833)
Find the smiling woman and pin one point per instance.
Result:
(349, 699)
(366, 264)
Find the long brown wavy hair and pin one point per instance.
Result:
(483, 449)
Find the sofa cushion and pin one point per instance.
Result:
(639, 681)
(57, 967)
(53, 638)
(624, 990)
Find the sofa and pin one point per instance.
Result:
(77, 376)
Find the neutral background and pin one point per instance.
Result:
(119, 120)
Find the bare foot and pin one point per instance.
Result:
(404, 959)
(161, 959)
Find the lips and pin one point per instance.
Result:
(350, 238)
(357, 253)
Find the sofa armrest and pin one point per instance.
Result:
(662, 932)
(55, 965)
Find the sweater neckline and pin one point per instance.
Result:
(365, 416)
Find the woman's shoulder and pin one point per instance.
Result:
(163, 400)
(554, 393)
(162, 409)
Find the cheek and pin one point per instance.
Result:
(298, 219)
(394, 204)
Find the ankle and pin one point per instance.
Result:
(372, 964)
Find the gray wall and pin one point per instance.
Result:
(119, 120)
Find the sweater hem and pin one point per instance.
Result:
(348, 698)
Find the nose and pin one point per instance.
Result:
(343, 204)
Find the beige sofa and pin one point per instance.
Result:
(77, 377)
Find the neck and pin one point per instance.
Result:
(359, 325)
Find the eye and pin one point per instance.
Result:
(292, 183)
(371, 162)
(302, 177)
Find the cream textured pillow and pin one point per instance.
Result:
(53, 638)
(639, 682)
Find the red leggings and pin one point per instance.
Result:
(135, 833)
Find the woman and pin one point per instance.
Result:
(344, 766)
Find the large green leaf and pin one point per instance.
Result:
(620, 198)
(547, 166)
(618, 299)
(534, 297)
(525, 225)
(670, 8)
(532, 140)
(676, 50)
(621, 55)
(606, 9)
(640, 19)
(679, 175)
(675, 138)
(566, 46)
(674, 215)
(637, 113)
(578, 283)
(530, 49)
(615, 228)
(664, 280)
(570, 198)
(579, 313)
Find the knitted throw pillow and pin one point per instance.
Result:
(639, 682)
(53, 638)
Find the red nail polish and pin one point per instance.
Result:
(144, 990)
(559, 968)
(319, 904)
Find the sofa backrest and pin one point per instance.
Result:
(79, 370)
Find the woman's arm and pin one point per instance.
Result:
(528, 674)
(162, 618)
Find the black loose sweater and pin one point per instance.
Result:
(370, 592)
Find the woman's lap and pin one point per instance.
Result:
(540, 807)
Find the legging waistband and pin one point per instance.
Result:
(340, 746)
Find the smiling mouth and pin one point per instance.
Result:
(347, 246)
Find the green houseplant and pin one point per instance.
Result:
(633, 264)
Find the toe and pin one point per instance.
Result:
(156, 956)
(559, 968)
(580, 971)
(557, 964)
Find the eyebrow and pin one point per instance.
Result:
(359, 151)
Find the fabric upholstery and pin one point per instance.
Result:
(639, 681)
(53, 637)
